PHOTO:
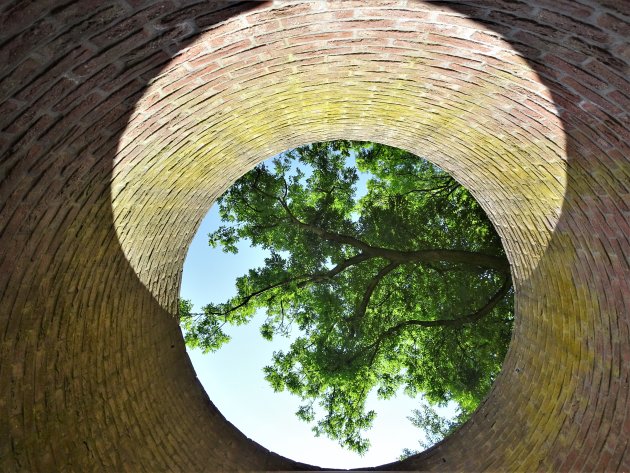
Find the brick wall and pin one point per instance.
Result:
(121, 121)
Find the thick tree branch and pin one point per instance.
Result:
(471, 258)
(455, 323)
(419, 256)
(307, 279)
(460, 321)
(339, 268)
(371, 287)
(435, 190)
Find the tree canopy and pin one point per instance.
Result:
(404, 287)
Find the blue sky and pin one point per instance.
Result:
(235, 383)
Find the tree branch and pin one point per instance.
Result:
(455, 323)
(309, 278)
(371, 287)
(460, 321)
(337, 269)
(419, 256)
(462, 349)
(435, 190)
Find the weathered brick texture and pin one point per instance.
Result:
(121, 121)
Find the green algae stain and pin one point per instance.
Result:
(222, 136)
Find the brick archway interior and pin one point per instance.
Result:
(122, 123)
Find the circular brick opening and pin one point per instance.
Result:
(122, 122)
(236, 369)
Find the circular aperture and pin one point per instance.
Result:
(360, 290)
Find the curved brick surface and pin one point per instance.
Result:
(122, 120)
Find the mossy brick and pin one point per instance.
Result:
(525, 102)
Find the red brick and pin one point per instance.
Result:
(368, 24)
(614, 24)
(609, 76)
(570, 24)
(532, 26)
(97, 62)
(593, 96)
(21, 45)
(317, 18)
(36, 129)
(309, 38)
(570, 9)
(460, 46)
(543, 47)
(576, 72)
(186, 14)
(8, 108)
(115, 118)
(134, 72)
(20, 76)
(53, 95)
(210, 20)
(26, 118)
(618, 6)
(256, 18)
(619, 100)
(255, 30)
(521, 8)
(20, 15)
(88, 12)
(131, 25)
